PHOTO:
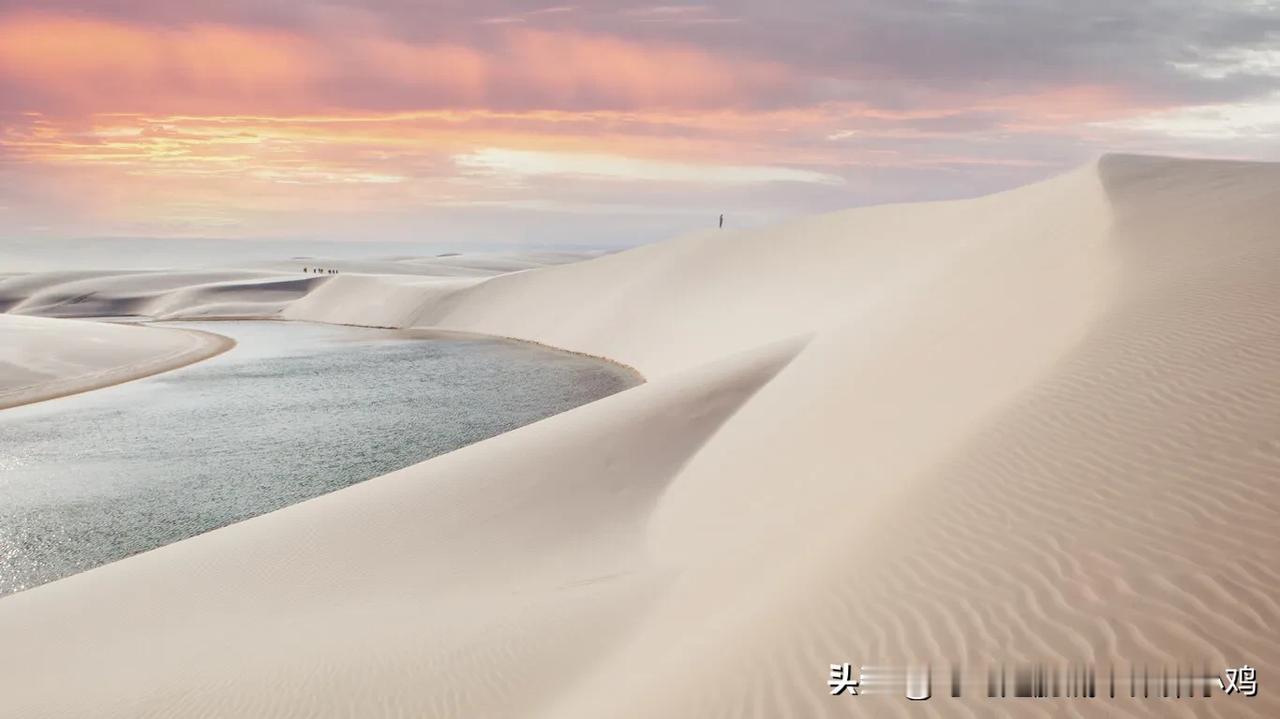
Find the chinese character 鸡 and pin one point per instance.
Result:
(1243, 680)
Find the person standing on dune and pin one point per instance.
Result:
(722, 221)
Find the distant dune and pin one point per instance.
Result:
(258, 290)
(1042, 425)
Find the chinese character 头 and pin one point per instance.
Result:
(842, 680)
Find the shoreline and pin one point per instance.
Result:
(208, 346)
(422, 332)
(220, 343)
(140, 451)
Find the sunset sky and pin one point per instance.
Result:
(606, 123)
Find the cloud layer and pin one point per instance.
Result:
(304, 119)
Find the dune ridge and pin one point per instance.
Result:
(1034, 426)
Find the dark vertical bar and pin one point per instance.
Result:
(1113, 681)
(1133, 681)
(955, 680)
(1022, 681)
(1146, 685)
(1093, 682)
(1177, 681)
(991, 683)
(1002, 694)
(1208, 684)
(1164, 682)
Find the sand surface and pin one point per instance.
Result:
(42, 358)
(1042, 425)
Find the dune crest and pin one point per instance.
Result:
(1034, 426)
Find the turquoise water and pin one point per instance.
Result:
(294, 411)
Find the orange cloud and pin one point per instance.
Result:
(97, 64)
(92, 65)
(618, 73)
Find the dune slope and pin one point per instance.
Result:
(1035, 426)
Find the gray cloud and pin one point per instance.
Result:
(889, 51)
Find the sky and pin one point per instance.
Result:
(604, 124)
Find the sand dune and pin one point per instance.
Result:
(153, 294)
(477, 264)
(263, 290)
(43, 358)
(1035, 426)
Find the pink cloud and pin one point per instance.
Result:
(70, 63)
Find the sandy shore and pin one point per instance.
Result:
(1035, 426)
(43, 358)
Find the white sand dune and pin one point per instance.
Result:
(153, 294)
(470, 264)
(1038, 426)
(262, 290)
(42, 358)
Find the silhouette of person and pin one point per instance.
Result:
(722, 221)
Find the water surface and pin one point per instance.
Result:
(294, 411)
